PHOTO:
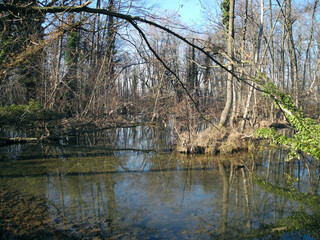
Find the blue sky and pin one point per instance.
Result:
(189, 10)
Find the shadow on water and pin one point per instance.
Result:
(101, 172)
(155, 195)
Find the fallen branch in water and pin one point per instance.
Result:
(17, 140)
(51, 137)
(121, 125)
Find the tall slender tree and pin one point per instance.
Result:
(72, 57)
(110, 51)
(230, 50)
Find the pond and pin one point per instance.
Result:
(127, 184)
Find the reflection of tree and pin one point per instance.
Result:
(114, 194)
(111, 199)
(25, 216)
(257, 204)
(247, 199)
(81, 200)
(225, 198)
(236, 184)
(300, 222)
(312, 168)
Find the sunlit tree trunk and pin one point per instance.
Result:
(292, 55)
(282, 55)
(206, 76)
(309, 43)
(256, 62)
(272, 57)
(226, 111)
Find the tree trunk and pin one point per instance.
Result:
(257, 64)
(309, 44)
(226, 111)
(293, 56)
(110, 52)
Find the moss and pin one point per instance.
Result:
(25, 115)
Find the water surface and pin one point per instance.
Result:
(102, 191)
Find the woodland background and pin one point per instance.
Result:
(97, 67)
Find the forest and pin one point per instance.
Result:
(73, 65)
(118, 120)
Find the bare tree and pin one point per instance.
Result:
(226, 111)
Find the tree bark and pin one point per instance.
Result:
(257, 65)
(292, 55)
(226, 111)
(309, 44)
(110, 52)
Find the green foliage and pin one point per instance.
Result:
(306, 136)
(300, 221)
(303, 223)
(225, 7)
(4, 49)
(24, 115)
(71, 48)
(289, 191)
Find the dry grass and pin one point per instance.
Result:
(212, 141)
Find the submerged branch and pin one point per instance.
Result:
(17, 140)
(112, 126)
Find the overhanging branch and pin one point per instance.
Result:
(171, 71)
(131, 19)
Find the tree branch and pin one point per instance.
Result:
(132, 20)
(171, 71)
(129, 18)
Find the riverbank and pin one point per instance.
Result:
(222, 141)
(210, 141)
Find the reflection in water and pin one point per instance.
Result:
(148, 195)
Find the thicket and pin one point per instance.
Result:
(306, 131)
(90, 67)
(25, 115)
